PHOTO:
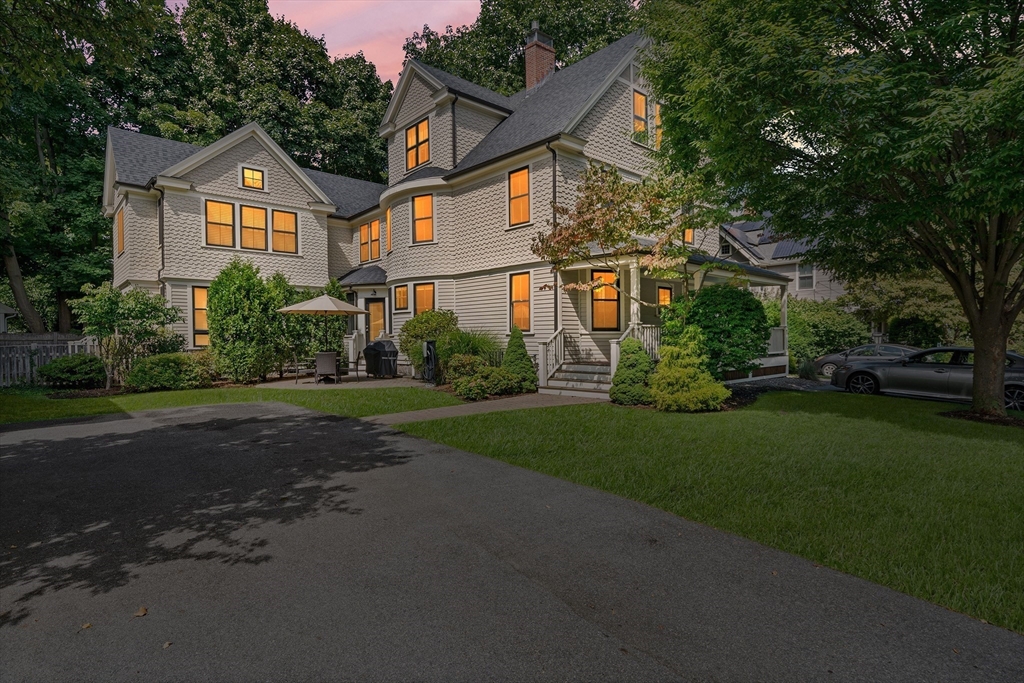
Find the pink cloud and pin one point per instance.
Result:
(378, 29)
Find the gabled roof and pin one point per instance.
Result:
(466, 88)
(365, 275)
(140, 158)
(548, 109)
(765, 247)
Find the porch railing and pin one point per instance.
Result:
(648, 335)
(778, 342)
(550, 355)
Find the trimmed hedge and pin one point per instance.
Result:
(77, 371)
(631, 383)
(172, 371)
(464, 365)
(489, 381)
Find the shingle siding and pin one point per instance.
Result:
(607, 128)
(418, 103)
(472, 125)
(140, 260)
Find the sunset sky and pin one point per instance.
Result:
(377, 27)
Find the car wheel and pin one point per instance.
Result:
(862, 383)
(1014, 398)
(828, 368)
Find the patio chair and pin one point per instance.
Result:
(326, 364)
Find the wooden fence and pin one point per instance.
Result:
(20, 364)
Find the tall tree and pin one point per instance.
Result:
(890, 133)
(490, 51)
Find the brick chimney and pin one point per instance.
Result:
(540, 56)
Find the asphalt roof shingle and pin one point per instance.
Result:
(350, 195)
(365, 275)
(464, 87)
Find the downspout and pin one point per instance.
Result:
(554, 216)
(160, 241)
(455, 139)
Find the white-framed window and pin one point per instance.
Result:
(519, 301)
(725, 249)
(252, 177)
(519, 196)
(805, 276)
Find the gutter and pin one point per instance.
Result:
(455, 146)
(554, 217)
(504, 156)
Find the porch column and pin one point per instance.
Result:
(634, 293)
(784, 308)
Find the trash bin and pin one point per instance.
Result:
(371, 354)
(388, 358)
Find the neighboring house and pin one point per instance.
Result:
(752, 242)
(5, 313)
(472, 177)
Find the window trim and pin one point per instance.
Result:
(419, 143)
(799, 277)
(644, 118)
(512, 302)
(725, 249)
(671, 295)
(192, 320)
(618, 303)
(387, 220)
(119, 220)
(394, 297)
(528, 195)
(274, 230)
(433, 219)
(266, 227)
(433, 296)
(206, 224)
(369, 241)
(241, 178)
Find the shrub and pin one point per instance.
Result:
(433, 324)
(77, 371)
(817, 328)
(915, 332)
(681, 383)
(241, 315)
(806, 370)
(631, 383)
(172, 371)
(489, 381)
(673, 320)
(463, 365)
(735, 328)
(464, 343)
(165, 341)
(518, 362)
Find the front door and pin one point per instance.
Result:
(376, 323)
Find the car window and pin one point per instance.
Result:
(863, 351)
(892, 350)
(967, 358)
(937, 358)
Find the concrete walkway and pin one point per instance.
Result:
(493, 406)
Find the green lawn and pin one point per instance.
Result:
(29, 405)
(879, 487)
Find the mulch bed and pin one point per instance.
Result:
(744, 395)
(1004, 420)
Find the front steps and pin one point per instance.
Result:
(583, 380)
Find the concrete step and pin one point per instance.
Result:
(577, 384)
(594, 368)
(582, 376)
(578, 393)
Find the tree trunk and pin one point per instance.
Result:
(63, 313)
(990, 339)
(28, 312)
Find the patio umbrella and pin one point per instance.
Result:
(323, 305)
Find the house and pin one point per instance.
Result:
(472, 177)
(753, 243)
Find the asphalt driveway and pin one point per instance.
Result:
(267, 542)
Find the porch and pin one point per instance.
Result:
(581, 356)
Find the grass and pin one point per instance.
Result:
(27, 405)
(882, 488)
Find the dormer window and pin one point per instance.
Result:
(417, 144)
(639, 112)
(252, 178)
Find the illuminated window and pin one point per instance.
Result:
(423, 218)
(252, 177)
(519, 197)
(639, 112)
(688, 235)
(657, 125)
(120, 232)
(200, 328)
(417, 144)
(520, 300)
(605, 302)
(369, 241)
(376, 311)
(387, 221)
(664, 296)
(402, 298)
(286, 235)
(220, 224)
(254, 228)
(424, 298)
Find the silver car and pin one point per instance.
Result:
(942, 373)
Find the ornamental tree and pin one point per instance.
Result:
(241, 315)
(889, 134)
